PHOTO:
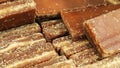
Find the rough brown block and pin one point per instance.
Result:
(111, 62)
(8, 36)
(47, 7)
(75, 47)
(87, 56)
(26, 53)
(22, 30)
(104, 31)
(4, 43)
(64, 64)
(16, 13)
(53, 29)
(34, 60)
(74, 19)
(58, 43)
(49, 62)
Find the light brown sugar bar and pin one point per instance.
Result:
(8, 36)
(111, 62)
(53, 29)
(64, 64)
(47, 7)
(4, 43)
(19, 54)
(104, 31)
(16, 13)
(87, 56)
(22, 30)
(37, 59)
(75, 47)
(49, 62)
(58, 43)
(74, 19)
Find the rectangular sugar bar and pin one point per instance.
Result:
(64, 64)
(16, 13)
(49, 62)
(58, 43)
(26, 63)
(9, 35)
(5, 42)
(110, 62)
(75, 47)
(47, 7)
(20, 54)
(87, 56)
(104, 31)
(74, 19)
(22, 30)
(20, 47)
(53, 29)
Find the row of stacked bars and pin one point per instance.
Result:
(59, 34)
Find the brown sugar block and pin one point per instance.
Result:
(53, 29)
(75, 47)
(23, 30)
(34, 60)
(16, 13)
(104, 31)
(4, 43)
(26, 53)
(87, 56)
(74, 19)
(58, 43)
(49, 62)
(64, 64)
(8, 36)
(47, 7)
(110, 62)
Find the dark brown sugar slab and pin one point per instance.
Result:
(74, 19)
(47, 7)
(104, 31)
(16, 13)
(53, 29)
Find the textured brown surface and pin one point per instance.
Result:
(53, 29)
(4, 43)
(22, 30)
(74, 19)
(49, 62)
(75, 47)
(58, 43)
(111, 62)
(64, 64)
(105, 32)
(8, 36)
(47, 7)
(19, 53)
(16, 13)
(87, 56)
